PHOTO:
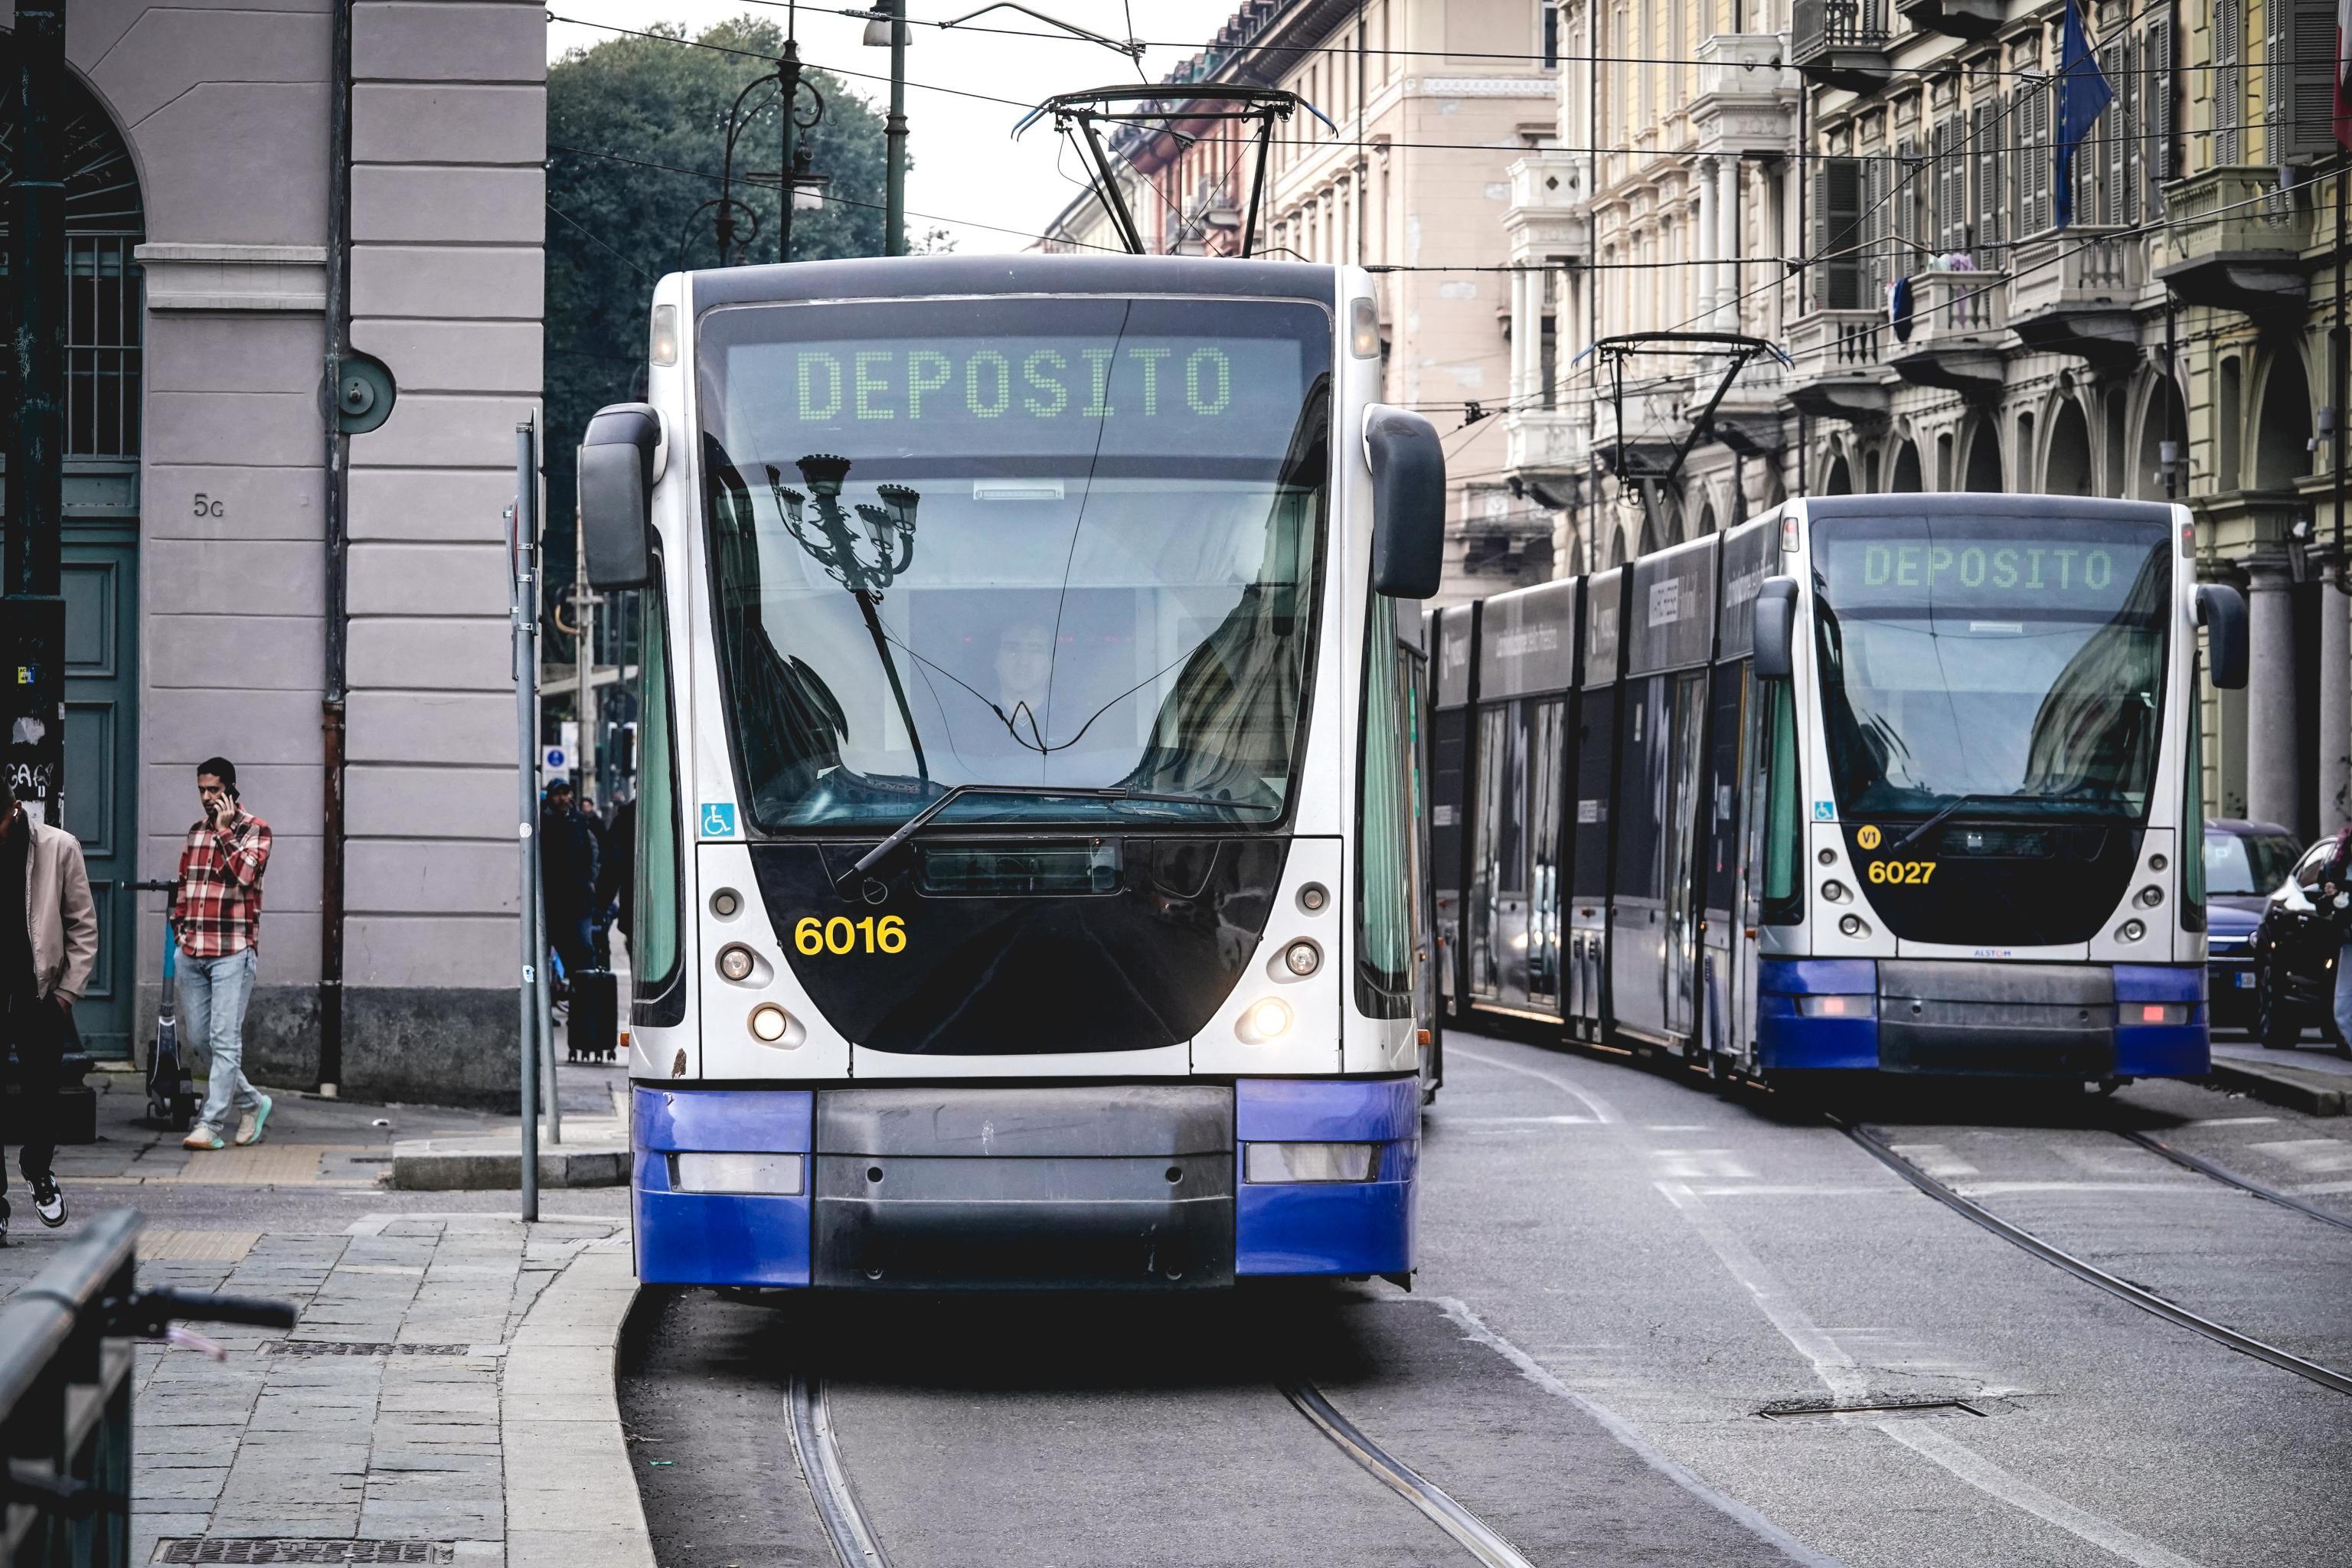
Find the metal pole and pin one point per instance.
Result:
(32, 647)
(524, 599)
(787, 73)
(894, 200)
(583, 667)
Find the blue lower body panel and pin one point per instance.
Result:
(1788, 1039)
(1277, 1227)
(1329, 1227)
(719, 1238)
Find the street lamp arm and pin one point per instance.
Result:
(1131, 48)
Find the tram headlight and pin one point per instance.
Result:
(662, 348)
(770, 1023)
(1836, 891)
(1302, 958)
(1314, 896)
(1854, 925)
(2131, 930)
(1265, 1021)
(736, 962)
(2150, 896)
(725, 904)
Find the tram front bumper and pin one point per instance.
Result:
(1973, 1018)
(1057, 1186)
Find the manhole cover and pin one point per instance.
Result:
(238, 1550)
(355, 1347)
(1893, 1405)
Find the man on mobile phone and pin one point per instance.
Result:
(216, 915)
(48, 946)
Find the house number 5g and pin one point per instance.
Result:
(208, 507)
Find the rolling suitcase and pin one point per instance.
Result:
(593, 1031)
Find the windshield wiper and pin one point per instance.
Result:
(2015, 797)
(923, 818)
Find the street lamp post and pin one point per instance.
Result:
(889, 26)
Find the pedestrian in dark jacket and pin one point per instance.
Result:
(49, 948)
(2334, 879)
(567, 877)
(616, 877)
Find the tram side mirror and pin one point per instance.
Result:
(1776, 628)
(1408, 502)
(2221, 611)
(616, 487)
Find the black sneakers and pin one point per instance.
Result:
(48, 1202)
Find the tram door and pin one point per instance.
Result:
(1498, 867)
(1547, 726)
(1722, 1013)
(1596, 819)
(1687, 765)
(1638, 941)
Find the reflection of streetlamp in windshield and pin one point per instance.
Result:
(834, 545)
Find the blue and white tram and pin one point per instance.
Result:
(1896, 784)
(1029, 893)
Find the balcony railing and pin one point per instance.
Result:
(1830, 344)
(2233, 240)
(1558, 439)
(2080, 267)
(1958, 309)
(1817, 27)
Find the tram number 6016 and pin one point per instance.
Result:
(1910, 871)
(843, 936)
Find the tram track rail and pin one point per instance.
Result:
(2057, 1257)
(855, 1544)
(2203, 1166)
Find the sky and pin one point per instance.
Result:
(968, 172)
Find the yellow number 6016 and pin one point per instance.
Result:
(841, 935)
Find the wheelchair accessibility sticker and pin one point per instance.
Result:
(717, 819)
(1824, 811)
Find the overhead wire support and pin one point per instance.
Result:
(1738, 348)
(1145, 103)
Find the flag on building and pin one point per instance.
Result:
(2083, 95)
(2344, 72)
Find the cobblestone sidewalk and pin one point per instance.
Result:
(446, 1395)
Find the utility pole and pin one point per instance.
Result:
(894, 200)
(788, 81)
(583, 664)
(32, 613)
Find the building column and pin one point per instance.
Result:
(2334, 706)
(1702, 251)
(2271, 767)
(1523, 332)
(1726, 246)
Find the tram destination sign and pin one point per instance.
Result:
(1956, 565)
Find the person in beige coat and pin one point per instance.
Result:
(48, 945)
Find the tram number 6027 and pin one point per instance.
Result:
(1911, 871)
(843, 936)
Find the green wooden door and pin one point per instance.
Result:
(100, 583)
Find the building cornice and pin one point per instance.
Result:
(276, 278)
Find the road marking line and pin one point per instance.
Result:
(2232, 1121)
(1625, 1432)
(1846, 1382)
(1444, 1120)
(2312, 1156)
(1936, 1159)
(1693, 1164)
(1929, 1443)
(1601, 1109)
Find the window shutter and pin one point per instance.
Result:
(2042, 158)
(1876, 227)
(2133, 102)
(1837, 213)
(1951, 186)
(1907, 180)
(2113, 134)
(1988, 125)
(2228, 85)
(2302, 85)
(2155, 119)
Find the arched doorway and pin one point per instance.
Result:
(1984, 461)
(1906, 479)
(1838, 481)
(104, 221)
(1616, 546)
(2283, 425)
(2067, 471)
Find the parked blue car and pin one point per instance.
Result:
(2244, 863)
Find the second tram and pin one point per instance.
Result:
(1893, 783)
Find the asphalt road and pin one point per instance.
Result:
(1621, 1273)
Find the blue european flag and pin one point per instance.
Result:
(2083, 95)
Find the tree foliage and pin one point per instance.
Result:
(613, 227)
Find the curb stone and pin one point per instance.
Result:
(570, 1492)
(2311, 1093)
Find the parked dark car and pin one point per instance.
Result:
(2244, 864)
(2296, 948)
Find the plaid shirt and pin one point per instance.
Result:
(217, 909)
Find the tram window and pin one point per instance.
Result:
(1723, 784)
(654, 939)
(1783, 829)
(1596, 744)
(1644, 779)
(1383, 829)
(2193, 816)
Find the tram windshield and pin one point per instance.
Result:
(2007, 666)
(1058, 543)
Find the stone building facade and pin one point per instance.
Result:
(1428, 102)
(2172, 340)
(249, 181)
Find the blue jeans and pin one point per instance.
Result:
(213, 995)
